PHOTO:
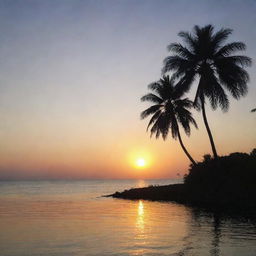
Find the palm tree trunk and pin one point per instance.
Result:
(185, 150)
(209, 131)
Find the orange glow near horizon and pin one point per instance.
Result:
(77, 154)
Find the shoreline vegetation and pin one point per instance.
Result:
(227, 183)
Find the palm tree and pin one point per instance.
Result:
(204, 58)
(168, 111)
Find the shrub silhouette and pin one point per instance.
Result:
(226, 179)
(253, 152)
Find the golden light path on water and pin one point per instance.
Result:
(140, 217)
(140, 225)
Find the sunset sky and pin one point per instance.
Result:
(72, 74)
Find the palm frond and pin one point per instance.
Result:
(150, 111)
(233, 77)
(220, 36)
(180, 50)
(186, 80)
(189, 40)
(240, 60)
(227, 49)
(218, 97)
(154, 118)
(184, 103)
(213, 90)
(175, 63)
(151, 98)
(154, 86)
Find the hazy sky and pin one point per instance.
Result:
(72, 74)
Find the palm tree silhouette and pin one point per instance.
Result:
(206, 59)
(168, 111)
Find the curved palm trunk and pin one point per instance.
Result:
(185, 150)
(209, 131)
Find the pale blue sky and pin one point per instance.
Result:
(72, 74)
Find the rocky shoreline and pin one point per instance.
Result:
(179, 193)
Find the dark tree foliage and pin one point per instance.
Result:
(253, 152)
(205, 57)
(168, 111)
(207, 158)
(228, 179)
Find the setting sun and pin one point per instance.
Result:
(140, 158)
(140, 162)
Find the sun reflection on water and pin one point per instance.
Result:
(140, 217)
(140, 238)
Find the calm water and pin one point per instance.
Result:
(70, 218)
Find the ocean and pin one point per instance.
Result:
(57, 218)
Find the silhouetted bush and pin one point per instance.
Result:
(207, 158)
(228, 179)
(253, 153)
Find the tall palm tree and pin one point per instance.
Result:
(168, 111)
(205, 58)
